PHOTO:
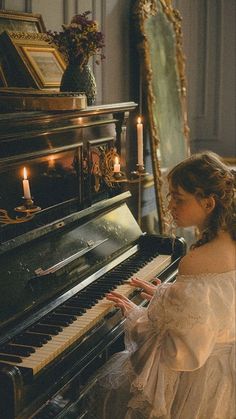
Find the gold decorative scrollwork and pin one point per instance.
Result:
(6, 219)
(32, 36)
(108, 165)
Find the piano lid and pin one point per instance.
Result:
(46, 262)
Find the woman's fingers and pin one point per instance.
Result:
(148, 287)
(118, 295)
(124, 303)
(157, 281)
(121, 301)
(146, 296)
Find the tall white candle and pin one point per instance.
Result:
(140, 141)
(26, 186)
(116, 165)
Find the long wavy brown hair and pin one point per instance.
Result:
(204, 175)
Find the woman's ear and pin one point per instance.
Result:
(209, 204)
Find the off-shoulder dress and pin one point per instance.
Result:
(179, 357)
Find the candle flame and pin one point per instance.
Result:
(25, 173)
(139, 120)
(51, 161)
(116, 160)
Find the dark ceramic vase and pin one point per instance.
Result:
(82, 80)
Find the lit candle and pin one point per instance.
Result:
(51, 162)
(140, 142)
(116, 165)
(26, 186)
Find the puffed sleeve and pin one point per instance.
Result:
(184, 314)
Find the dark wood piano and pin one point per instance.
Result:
(63, 247)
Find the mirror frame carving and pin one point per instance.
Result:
(143, 9)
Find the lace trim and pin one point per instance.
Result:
(177, 308)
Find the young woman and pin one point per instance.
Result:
(179, 361)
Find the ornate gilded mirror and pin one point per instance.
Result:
(162, 68)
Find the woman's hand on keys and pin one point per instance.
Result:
(121, 301)
(148, 287)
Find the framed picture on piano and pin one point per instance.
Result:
(23, 22)
(37, 64)
(98, 168)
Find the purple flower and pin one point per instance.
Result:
(79, 40)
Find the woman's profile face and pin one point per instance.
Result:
(185, 208)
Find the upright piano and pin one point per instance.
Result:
(69, 241)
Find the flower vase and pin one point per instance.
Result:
(77, 79)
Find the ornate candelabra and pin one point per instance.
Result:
(113, 178)
(27, 209)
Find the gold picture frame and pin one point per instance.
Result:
(46, 63)
(162, 68)
(23, 22)
(36, 63)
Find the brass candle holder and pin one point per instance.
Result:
(119, 177)
(139, 174)
(140, 171)
(28, 211)
(28, 207)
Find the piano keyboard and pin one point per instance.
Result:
(45, 341)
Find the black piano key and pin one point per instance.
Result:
(29, 340)
(117, 277)
(54, 322)
(43, 328)
(58, 319)
(23, 351)
(104, 287)
(74, 304)
(67, 317)
(112, 283)
(64, 309)
(97, 294)
(82, 303)
(12, 358)
(124, 270)
(86, 299)
(44, 336)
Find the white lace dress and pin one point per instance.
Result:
(179, 361)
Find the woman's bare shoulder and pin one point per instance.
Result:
(192, 263)
(213, 257)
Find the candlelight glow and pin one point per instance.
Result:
(139, 120)
(25, 173)
(116, 167)
(51, 162)
(26, 185)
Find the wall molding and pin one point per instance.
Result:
(28, 6)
